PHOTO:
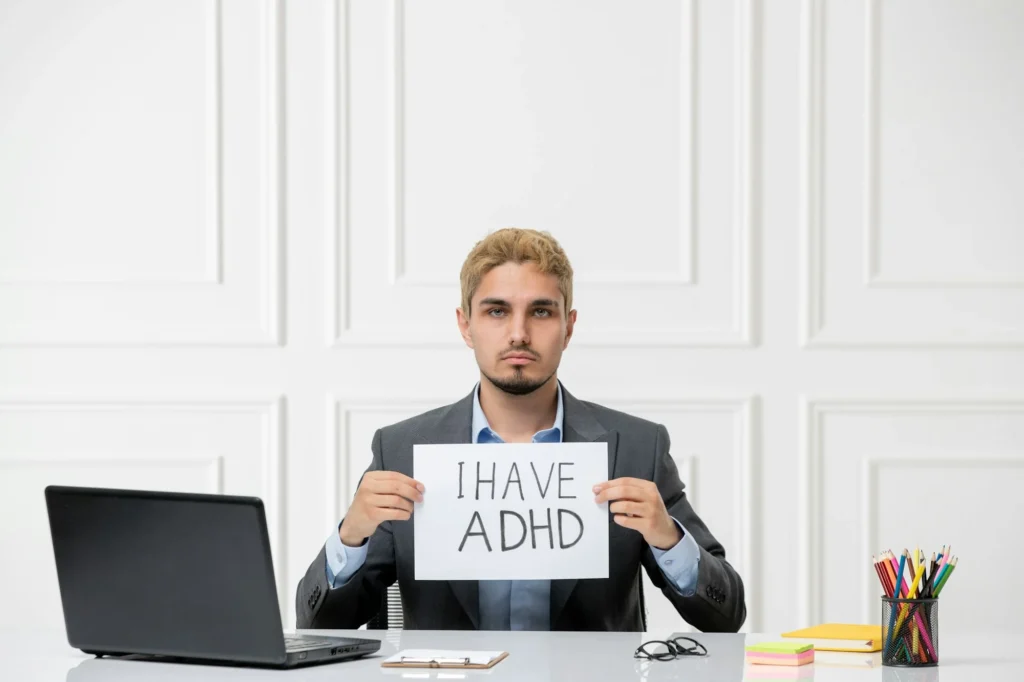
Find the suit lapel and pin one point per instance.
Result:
(579, 426)
(454, 428)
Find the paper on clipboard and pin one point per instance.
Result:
(443, 658)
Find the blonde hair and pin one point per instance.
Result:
(516, 245)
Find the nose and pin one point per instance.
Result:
(518, 334)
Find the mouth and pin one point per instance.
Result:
(518, 358)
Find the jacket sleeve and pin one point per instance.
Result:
(357, 601)
(718, 604)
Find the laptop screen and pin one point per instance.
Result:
(165, 573)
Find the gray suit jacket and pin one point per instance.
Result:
(636, 448)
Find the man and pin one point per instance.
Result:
(517, 316)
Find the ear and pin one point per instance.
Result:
(569, 325)
(464, 327)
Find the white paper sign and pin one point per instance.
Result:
(511, 511)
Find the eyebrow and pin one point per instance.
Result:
(538, 302)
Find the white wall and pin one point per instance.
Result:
(230, 235)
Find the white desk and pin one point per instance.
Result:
(537, 657)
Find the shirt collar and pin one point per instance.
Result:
(480, 419)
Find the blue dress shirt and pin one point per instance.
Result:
(522, 604)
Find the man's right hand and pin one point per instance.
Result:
(382, 496)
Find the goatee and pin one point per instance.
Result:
(518, 383)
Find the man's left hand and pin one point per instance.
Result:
(637, 504)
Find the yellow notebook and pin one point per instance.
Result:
(841, 637)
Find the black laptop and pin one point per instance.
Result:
(175, 576)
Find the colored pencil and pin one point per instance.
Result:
(945, 578)
(942, 573)
(899, 577)
(891, 558)
(925, 579)
(899, 573)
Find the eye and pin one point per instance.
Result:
(542, 312)
(495, 312)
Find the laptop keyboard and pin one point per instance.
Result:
(303, 642)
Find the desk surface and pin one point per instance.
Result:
(538, 657)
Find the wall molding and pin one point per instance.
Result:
(811, 162)
(212, 464)
(341, 333)
(686, 276)
(272, 169)
(870, 471)
(271, 284)
(873, 275)
(270, 410)
(213, 238)
(813, 412)
(810, 333)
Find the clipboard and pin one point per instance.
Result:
(462, 660)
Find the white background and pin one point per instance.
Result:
(230, 235)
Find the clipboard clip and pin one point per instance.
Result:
(435, 662)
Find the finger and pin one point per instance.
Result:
(402, 478)
(391, 501)
(628, 480)
(398, 477)
(628, 522)
(380, 514)
(635, 509)
(622, 492)
(396, 487)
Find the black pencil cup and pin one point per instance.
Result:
(910, 632)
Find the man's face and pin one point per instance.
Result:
(517, 327)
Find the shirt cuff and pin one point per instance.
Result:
(681, 563)
(343, 561)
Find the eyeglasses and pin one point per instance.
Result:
(657, 650)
